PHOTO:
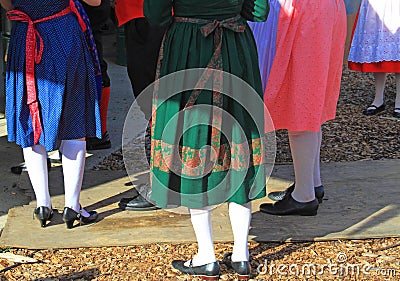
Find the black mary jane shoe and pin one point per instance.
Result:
(70, 216)
(209, 271)
(43, 214)
(242, 268)
(373, 109)
(289, 206)
(396, 112)
(278, 195)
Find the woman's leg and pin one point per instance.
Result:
(304, 148)
(240, 216)
(201, 221)
(73, 163)
(317, 161)
(397, 101)
(36, 163)
(380, 80)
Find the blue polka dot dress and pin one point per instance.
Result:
(65, 79)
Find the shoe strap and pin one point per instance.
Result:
(192, 272)
(79, 216)
(228, 260)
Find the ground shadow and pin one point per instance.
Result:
(81, 275)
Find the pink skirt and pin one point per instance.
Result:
(304, 83)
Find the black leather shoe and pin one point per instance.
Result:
(43, 214)
(22, 167)
(242, 268)
(289, 206)
(70, 216)
(18, 169)
(125, 200)
(373, 109)
(209, 271)
(319, 193)
(96, 144)
(138, 203)
(396, 112)
(278, 195)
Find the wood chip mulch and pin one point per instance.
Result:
(350, 137)
(376, 259)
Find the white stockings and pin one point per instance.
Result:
(380, 80)
(305, 147)
(240, 216)
(73, 163)
(36, 163)
(201, 221)
(397, 101)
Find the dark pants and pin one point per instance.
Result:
(142, 48)
(103, 65)
(98, 15)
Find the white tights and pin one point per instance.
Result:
(73, 163)
(380, 80)
(305, 150)
(240, 216)
(36, 164)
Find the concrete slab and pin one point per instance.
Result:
(10, 193)
(361, 202)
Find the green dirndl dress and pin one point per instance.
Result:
(198, 157)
